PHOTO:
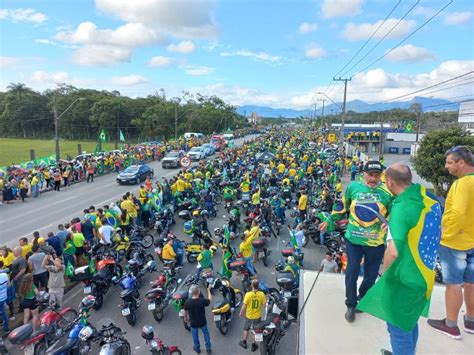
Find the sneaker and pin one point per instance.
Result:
(208, 351)
(254, 347)
(350, 314)
(12, 318)
(243, 344)
(440, 326)
(468, 326)
(198, 351)
(385, 352)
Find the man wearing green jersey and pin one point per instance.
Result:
(367, 202)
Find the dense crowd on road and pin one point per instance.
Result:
(292, 177)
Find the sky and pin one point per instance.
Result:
(277, 53)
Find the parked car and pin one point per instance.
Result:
(196, 153)
(171, 160)
(134, 174)
(208, 149)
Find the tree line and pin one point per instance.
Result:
(25, 113)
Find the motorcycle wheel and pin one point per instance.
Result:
(333, 245)
(186, 325)
(265, 258)
(126, 349)
(218, 200)
(176, 352)
(239, 297)
(305, 241)
(158, 314)
(132, 318)
(99, 299)
(40, 348)
(223, 326)
(192, 258)
(172, 286)
(263, 348)
(66, 322)
(139, 281)
(147, 240)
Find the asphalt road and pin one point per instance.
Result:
(43, 214)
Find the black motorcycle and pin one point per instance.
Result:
(130, 298)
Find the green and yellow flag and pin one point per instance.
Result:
(102, 136)
(403, 292)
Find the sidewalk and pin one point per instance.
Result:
(323, 329)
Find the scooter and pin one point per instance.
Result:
(223, 310)
(156, 344)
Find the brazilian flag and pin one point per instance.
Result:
(102, 136)
(409, 127)
(403, 293)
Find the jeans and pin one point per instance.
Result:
(207, 338)
(34, 190)
(321, 237)
(3, 312)
(180, 258)
(250, 267)
(372, 259)
(403, 342)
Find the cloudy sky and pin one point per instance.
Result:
(277, 53)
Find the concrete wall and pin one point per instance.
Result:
(397, 147)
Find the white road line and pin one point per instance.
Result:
(40, 229)
(64, 200)
(114, 183)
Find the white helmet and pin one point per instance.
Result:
(291, 260)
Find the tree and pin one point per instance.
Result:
(429, 161)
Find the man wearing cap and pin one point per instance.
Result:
(367, 203)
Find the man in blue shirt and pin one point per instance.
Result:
(4, 283)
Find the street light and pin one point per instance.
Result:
(56, 119)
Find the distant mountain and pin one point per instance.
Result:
(428, 104)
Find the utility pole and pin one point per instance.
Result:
(381, 137)
(118, 129)
(418, 125)
(343, 103)
(176, 121)
(322, 112)
(56, 132)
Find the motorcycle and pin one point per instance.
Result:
(159, 296)
(140, 264)
(53, 324)
(164, 221)
(224, 310)
(110, 338)
(130, 298)
(240, 267)
(260, 246)
(156, 344)
(98, 284)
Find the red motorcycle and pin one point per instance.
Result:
(240, 267)
(156, 344)
(54, 323)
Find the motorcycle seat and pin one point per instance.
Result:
(271, 318)
(181, 295)
(20, 334)
(333, 234)
(44, 329)
(64, 348)
(126, 293)
(219, 304)
(168, 263)
(259, 242)
(287, 252)
(133, 262)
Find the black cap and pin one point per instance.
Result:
(373, 166)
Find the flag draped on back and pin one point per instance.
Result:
(403, 292)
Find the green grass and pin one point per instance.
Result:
(13, 150)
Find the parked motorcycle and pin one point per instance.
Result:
(223, 310)
(130, 297)
(156, 344)
(240, 267)
(53, 324)
(262, 252)
(140, 264)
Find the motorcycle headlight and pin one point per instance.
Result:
(85, 333)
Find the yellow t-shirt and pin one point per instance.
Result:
(180, 185)
(254, 300)
(168, 252)
(256, 198)
(302, 202)
(457, 226)
(281, 168)
(129, 206)
(245, 247)
(25, 249)
(292, 172)
(7, 260)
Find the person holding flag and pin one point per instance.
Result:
(403, 292)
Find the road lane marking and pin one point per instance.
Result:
(64, 200)
(36, 230)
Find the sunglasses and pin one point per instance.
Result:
(454, 150)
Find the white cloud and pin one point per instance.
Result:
(410, 53)
(45, 41)
(314, 51)
(457, 18)
(257, 56)
(198, 70)
(424, 11)
(101, 55)
(160, 61)
(8, 62)
(183, 47)
(129, 80)
(182, 19)
(356, 32)
(306, 27)
(338, 8)
(57, 77)
(23, 15)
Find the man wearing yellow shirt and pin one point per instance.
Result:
(292, 173)
(180, 185)
(129, 206)
(281, 168)
(252, 306)
(168, 252)
(245, 247)
(456, 251)
(256, 197)
(34, 186)
(25, 246)
(302, 204)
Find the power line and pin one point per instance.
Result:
(385, 36)
(406, 38)
(366, 42)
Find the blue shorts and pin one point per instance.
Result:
(457, 266)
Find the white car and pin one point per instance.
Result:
(208, 149)
(196, 153)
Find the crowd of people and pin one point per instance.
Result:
(392, 223)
